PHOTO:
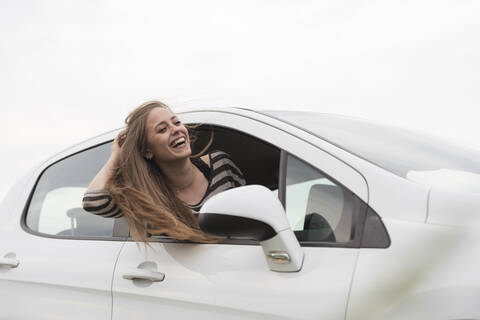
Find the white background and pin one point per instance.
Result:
(70, 70)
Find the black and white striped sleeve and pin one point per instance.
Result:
(100, 202)
(224, 169)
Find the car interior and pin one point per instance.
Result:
(258, 160)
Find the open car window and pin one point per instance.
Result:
(258, 160)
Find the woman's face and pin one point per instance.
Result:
(167, 137)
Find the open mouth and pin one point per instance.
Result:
(178, 143)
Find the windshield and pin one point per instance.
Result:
(405, 153)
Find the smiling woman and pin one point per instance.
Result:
(152, 179)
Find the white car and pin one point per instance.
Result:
(341, 219)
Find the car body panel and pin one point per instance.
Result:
(59, 278)
(453, 208)
(428, 272)
(232, 282)
(14, 201)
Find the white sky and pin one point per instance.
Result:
(72, 69)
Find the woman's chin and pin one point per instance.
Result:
(184, 152)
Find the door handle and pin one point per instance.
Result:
(9, 262)
(136, 274)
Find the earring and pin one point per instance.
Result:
(148, 157)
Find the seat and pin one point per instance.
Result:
(326, 218)
(87, 224)
(316, 228)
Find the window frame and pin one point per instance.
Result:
(269, 129)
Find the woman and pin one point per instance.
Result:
(153, 181)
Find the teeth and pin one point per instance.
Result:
(178, 141)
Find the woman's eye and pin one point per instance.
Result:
(178, 122)
(162, 130)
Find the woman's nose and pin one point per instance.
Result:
(175, 130)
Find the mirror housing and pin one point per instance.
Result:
(254, 212)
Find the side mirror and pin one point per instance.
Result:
(253, 211)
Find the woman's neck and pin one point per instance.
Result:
(179, 174)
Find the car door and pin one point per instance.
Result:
(231, 280)
(56, 260)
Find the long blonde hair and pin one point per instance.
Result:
(139, 188)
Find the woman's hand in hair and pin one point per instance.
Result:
(117, 146)
(99, 182)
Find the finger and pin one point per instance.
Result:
(120, 136)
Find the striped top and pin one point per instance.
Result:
(222, 174)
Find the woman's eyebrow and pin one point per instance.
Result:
(162, 122)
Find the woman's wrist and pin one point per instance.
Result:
(112, 161)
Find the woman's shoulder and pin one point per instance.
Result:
(214, 156)
(222, 160)
(218, 155)
(218, 160)
(206, 159)
(223, 168)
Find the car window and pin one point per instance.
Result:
(317, 208)
(56, 205)
(258, 159)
